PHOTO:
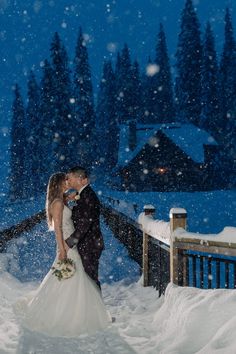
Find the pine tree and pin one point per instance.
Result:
(227, 126)
(143, 111)
(118, 64)
(189, 62)
(124, 86)
(137, 97)
(84, 102)
(165, 101)
(18, 151)
(47, 127)
(149, 83)
(32, 133)
(227, 75)
(64, 138)
(107, 120)
(210, 95)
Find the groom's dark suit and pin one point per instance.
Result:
(87, 235)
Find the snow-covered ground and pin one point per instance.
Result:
(185, 321)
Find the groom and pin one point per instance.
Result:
(85, 215)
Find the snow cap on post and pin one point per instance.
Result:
(149, 207)
(178, 218)
(177, 211)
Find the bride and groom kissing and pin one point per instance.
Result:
(73, 306)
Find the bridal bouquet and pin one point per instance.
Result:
(64, 269)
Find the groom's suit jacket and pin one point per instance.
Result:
(85, 215)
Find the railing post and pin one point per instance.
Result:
(178, 218)
(145, 259)
(150, 211)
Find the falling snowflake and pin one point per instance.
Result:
(152, 69)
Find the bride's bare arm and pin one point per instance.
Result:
(57, 212)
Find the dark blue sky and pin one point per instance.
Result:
(27, 28)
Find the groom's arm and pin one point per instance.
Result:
(88, 214)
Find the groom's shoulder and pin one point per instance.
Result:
(89, 191)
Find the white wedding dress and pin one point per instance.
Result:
(66, 308)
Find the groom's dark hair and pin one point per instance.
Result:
(80, 171)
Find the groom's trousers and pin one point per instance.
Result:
(91, 264)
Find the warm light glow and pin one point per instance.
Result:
(160, 170)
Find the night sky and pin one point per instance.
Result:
(27, 28)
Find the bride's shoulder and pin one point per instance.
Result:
(57, 203)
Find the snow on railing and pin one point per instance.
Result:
(227, 236)
(158, 229)
(131, 209)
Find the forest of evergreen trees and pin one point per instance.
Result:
(60, 126)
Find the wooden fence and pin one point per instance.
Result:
(126, 231)
(206, 266)
(153, 256)
(185, 262)
(23, 226)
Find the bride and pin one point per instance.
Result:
(68, 307)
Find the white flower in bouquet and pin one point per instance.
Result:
(64, 269)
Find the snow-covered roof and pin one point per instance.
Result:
(187, 137)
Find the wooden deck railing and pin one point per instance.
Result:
(126, 231)
(156, 263)
(209, 265)
(153, 256)
(185, 262)
(23, 226)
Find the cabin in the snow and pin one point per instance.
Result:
(166, 157)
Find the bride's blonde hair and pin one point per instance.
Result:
(54, 191)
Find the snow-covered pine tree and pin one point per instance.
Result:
(228, 100)
(47, 127)
(149, 85)
(18, 150)
(210, 118)
(117, 67)
(137, 95)
(107, 121)
(124, 86)
(32, 133)
(84, 103)
(65, 132)
(165, 100)
(143, 111)
(188, 65)
(227, 77)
